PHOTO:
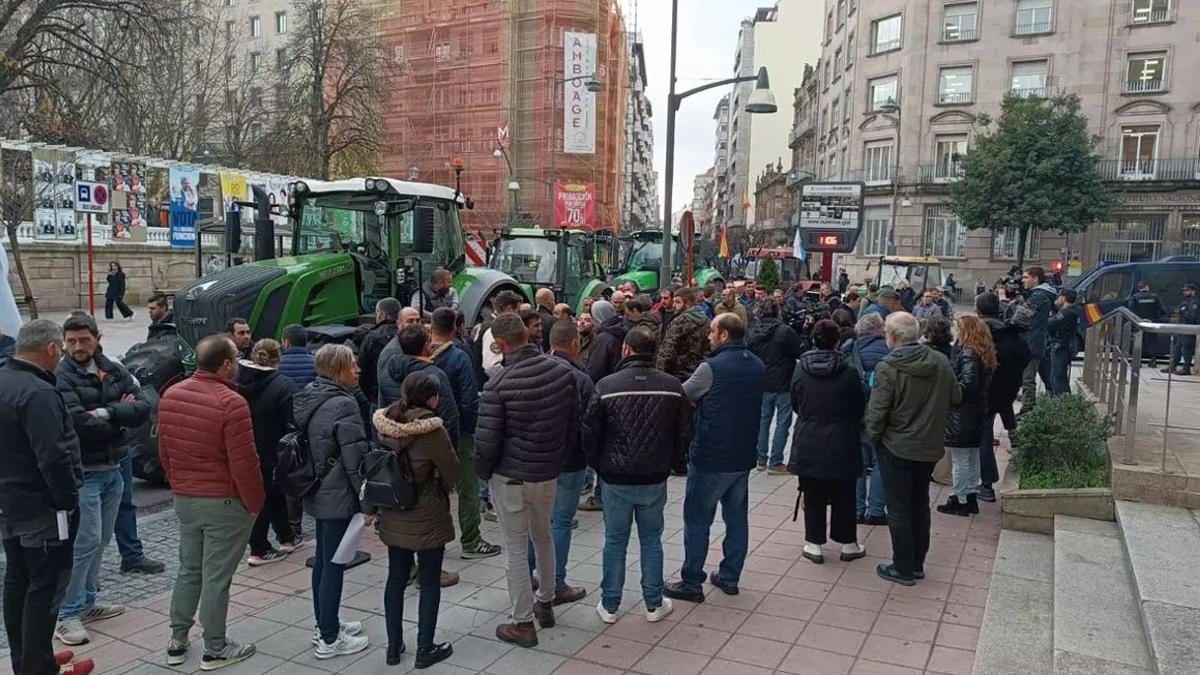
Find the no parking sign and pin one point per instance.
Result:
(91, 197)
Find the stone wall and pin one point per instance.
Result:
(58, 273)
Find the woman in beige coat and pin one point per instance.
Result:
(410, 426)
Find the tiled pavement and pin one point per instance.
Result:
(791, 617)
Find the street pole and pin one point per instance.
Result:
(553, 147)
(891, 242)
(665, 270)
(91, 268)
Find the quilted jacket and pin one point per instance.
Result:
(299, 365)
(368, 356)
(637, 424)
(206, 441)
(574, 458)
(330, 415)
(101, 441)
(527, 418)
(685, 344)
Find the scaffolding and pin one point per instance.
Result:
(468, 75)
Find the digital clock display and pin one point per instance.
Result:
(831, 240)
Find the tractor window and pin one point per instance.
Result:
(645, 255)
(529, 260)
(448, 243)
(325, 228)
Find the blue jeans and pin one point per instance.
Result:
(126, 529)
(327, 577)
(704, 491)
(99, 499)
(566, 502)
(869, 500)
(775, 406)
(622, 505)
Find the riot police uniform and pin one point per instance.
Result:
(1148, 306)
(1183, 347)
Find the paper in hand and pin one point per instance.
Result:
(344, 554)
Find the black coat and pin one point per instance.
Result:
(395, 365)
(638, 424)
(116, 286)
(965, 421)
(1012, 355)
(1062, 331)
(101, 441)
(547, 322)
(778, 346)
(575, 459)
(368, 356)
(607, 347)
(527, 418)
(164, 327)
(40, 451)
(330, 416)
(827, 398)
(269, 395)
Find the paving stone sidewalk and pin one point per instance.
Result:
(791, 617)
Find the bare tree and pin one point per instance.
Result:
(16, 206)
(337, 73)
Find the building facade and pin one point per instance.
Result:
(773, 208)
(720, 170)
(639, 197)
(903, 84)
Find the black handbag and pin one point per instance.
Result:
(388, 479)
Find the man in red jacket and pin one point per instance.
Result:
(206, 443)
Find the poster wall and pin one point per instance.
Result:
(234, 188)
(579, 104)
(575, 205)
(277, 194)
(185, 202)
(54, 194)
(129, 199)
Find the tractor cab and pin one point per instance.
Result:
(791, 269)
(641, 255)
(921, 272)
(561, 260)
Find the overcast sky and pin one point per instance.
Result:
(708, 31)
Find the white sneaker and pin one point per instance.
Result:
(345, 645)
(71, 632)
(101, 611)
(661, 612)
(177, 651)
(605, 615)
(347, 627)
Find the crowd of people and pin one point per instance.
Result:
(533, 415)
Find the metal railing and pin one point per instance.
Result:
(940, 172)
(1143, 86)
(1112, 367)
(1150, 169)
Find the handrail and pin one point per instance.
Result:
(1112, 363)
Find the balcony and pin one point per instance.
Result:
(1028, 92)
(1144, 86)
(803, 128)
(940, 172)
(1143, 16)
(1150, 170)
(1026, 26)
(954, 97)
(799, 174)
(955, 34)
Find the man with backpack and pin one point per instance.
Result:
(865, 351)
(206, 444)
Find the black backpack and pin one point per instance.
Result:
(296, 474)
(388, 479)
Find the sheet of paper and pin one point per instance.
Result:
(344, 554)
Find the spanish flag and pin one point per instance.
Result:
(1092, 313)
(724, 252)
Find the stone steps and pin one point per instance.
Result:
(1162, 544)
(1016, 635)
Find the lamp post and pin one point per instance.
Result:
(593, 85)
(761, 101)
(514, 188)
(414, 172)
(893, 112)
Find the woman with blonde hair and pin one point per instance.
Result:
(974, 359)
(269, 394)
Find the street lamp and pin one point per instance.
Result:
(593, 85)
(414, 172)
(762, 101)
(513, 186)
(892, 110)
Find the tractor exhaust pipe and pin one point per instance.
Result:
(264, 227)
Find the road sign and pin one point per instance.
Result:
(831, 216)
(91, 197)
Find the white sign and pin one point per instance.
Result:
(579, 104)
(92, 197)
(831, 206)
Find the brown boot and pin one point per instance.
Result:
(544, 612)
(520, 634)
(568, 594)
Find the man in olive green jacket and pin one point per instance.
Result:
(906, 417)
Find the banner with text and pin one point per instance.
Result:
(54, 193)
(234, 188)
(579, 104)
(575, 205)
(185, 206)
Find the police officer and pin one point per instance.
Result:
(1148, 306)
(1183, 347)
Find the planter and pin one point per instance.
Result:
(1034, 510)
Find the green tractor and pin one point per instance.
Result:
(354, 242)
(641, 255)
(561, 260)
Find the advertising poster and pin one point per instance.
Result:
(234, 188)
(129, 199)
(54, 194)
(575, 205)
(185, 203)
(277, 194)
(579, 104)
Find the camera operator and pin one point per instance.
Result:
(1032, 306)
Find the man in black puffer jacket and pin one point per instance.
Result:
(778, 346)
(636, 427)
(611, 329)
(528, 418)
(409, 353)
(387, 312)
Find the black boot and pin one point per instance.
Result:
(427, 656)
(393, 653)
(972, 505)
(953, 507)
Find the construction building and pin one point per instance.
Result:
(471, 76)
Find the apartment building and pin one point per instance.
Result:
(720, 170)
(639, 194)
(903, 83)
